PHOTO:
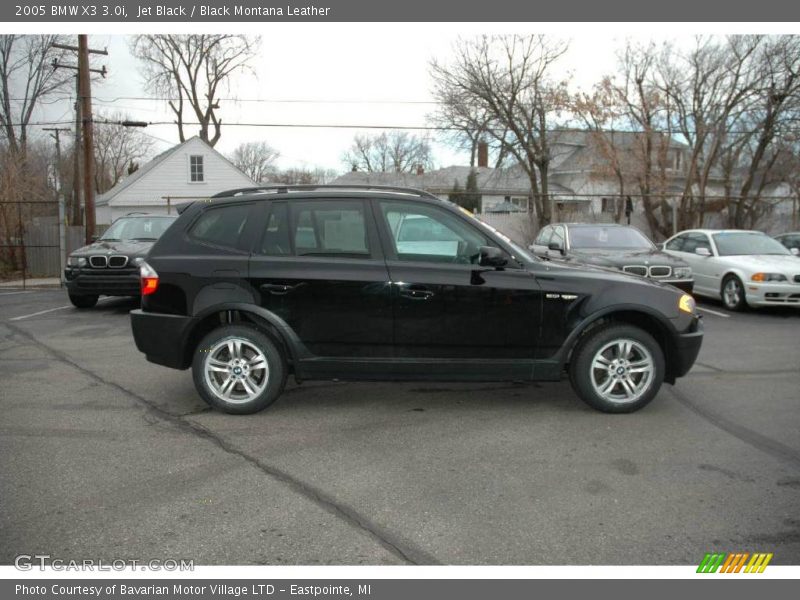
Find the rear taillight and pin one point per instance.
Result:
(148, 279)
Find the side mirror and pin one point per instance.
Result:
(492, 257)
(556, 247)
(701, 251)
(795, 251)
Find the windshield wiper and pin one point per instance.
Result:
(109, 240)
(143, 239)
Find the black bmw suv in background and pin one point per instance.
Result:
(368, 283)
(613, 246)
(110, 265)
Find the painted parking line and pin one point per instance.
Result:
(12, 293)
(49, 310)
(714, 312)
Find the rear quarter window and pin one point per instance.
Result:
(222, 226)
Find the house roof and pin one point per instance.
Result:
(142, 171)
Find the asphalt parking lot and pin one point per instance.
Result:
(103, 455)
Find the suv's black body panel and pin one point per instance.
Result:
(376, 317)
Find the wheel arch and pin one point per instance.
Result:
(245, 314)
(639, 316)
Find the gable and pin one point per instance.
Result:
(169, 175)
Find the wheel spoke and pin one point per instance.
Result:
(628, 386)
(227, 387)
(249, 386)
(258, 362)
(601, 362)
(214, 364)
(624, 348)
(609, 385)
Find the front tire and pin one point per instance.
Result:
(733, 295)
(617, 368)
(83, 301)
(238, 369)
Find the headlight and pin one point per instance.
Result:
(76, 261)
(137, 261)
(762, 277)
(686, 304)
(682, 272)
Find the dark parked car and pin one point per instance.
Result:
(366, 283)
(110, 265)
(619, 247)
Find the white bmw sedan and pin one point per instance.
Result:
(742, 268)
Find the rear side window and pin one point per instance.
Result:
(322, 228)
(221, 226)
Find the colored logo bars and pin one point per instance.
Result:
(734, 562)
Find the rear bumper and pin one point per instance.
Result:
(105, 282)
(162, 337)
(687, 347)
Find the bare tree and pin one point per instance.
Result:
(501, 86)
(192, 70)
(304, 176)
(395, 151)
(116, 149)
(26, 78)
(256, 160)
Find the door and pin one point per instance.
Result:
(445, 305)
(320, 268)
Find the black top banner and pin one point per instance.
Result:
(132, 11)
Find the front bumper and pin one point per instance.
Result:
(83, 281)
(162, 337)
(686, 285)
(772, 294)
(686, 348)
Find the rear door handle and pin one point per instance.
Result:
(416, 293)
(278, 289)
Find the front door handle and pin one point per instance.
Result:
(416, 293)
(278, 289)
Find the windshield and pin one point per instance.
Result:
(608, 237)
(137, 228)
(737, 243)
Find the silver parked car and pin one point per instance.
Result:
(791, 240)
(742, 268)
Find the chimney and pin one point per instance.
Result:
(483, 154)
(420, 169)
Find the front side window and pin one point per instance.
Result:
(196, 171)
(426, 234)
(221, 226)
(676, 243)
(544, 236)
(695, 241)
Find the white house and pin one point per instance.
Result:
(190, 170)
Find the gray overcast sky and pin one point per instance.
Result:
(377, 64)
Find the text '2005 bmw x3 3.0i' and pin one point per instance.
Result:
(367, 283)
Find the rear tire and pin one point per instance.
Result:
(83, 301)
(238, 369)
(617, 368)
(732, 293)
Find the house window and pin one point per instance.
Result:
(607, 205)
(677, 160)
(196, 173)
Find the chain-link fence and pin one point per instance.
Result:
(34, 242)
(665, 215)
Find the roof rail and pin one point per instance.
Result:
(280, 188)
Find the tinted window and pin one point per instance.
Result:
(695, 241)
(329, 228)
(221, 226)
(276, 241)
(676, 243)
(544, 236)
(423, 233)
(608, 237)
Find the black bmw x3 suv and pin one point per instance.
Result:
(371, 283)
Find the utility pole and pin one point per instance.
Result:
(62, 237)
(88, 134)
(77, 218)
(85, 118)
